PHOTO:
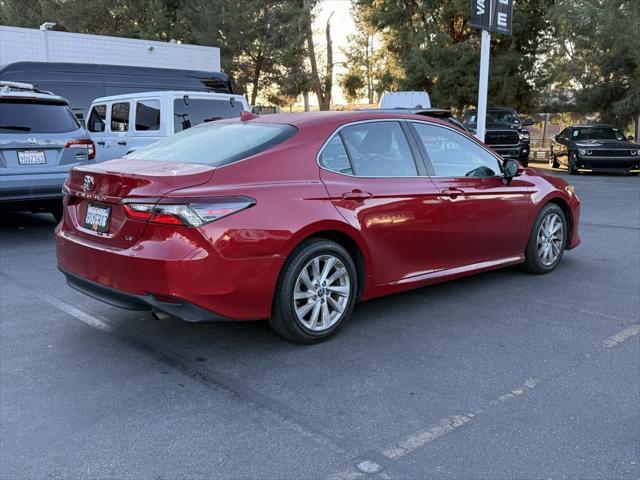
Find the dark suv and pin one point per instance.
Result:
(505, 132)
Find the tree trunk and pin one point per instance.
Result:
(256, 79)
(305, 96)
(328, 79)
(637, 137)
(321, 89)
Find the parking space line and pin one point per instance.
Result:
(422, 437)
(92, 321)
(622, 335)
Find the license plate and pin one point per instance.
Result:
(97, 218)
(31, 157)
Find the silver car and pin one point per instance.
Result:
(40, 141)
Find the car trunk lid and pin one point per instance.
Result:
(104, 186)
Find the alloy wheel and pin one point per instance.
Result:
(550, 239)
(321, 293)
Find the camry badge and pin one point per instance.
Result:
(88, 183)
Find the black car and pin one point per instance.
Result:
(440, 113)
(505, 132)
(595, 147)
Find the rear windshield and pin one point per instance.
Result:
(216, 144)
(189, 112)
(19, 116)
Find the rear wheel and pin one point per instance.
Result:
(316, 292)
(547, 240)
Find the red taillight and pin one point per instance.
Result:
(192, 214)
(85, 143)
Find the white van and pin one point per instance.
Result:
(120, 124)
(405, 100)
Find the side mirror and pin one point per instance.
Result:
(528, 122)
(630, 137)
(511, 169)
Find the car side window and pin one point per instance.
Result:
(379, 149)
(453, 155)
(147, 115)
(334, 157)
(97, 118)
(120, 117)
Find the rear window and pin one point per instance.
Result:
(216, 144)
(19, 116)
(189, 112)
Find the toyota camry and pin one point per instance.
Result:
(295, 218)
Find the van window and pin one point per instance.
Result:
(120, 117)
(148, 115)
(97, 118)
(189, 112)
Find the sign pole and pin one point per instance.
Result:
(483, 84)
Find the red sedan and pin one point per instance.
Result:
(297, 217)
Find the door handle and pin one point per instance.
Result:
(122, 142)
(452, 192)
(101, 142)
(356, 195)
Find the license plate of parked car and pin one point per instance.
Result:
(97, 218)
(31, 157)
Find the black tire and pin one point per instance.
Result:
(573, 169)
(633, 174)
(533, 262)
(284, 319)
(553, 161)
(57, 213)
(524, 161)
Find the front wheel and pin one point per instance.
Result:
(553, 160)
(573, 163)
(547, 240)
(316, 292)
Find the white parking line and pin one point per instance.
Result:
(622, 335)
(90, 320)
(423, 437)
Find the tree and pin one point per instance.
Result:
(321, 83)
(430, 46)
(597, 57)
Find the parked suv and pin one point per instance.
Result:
(40, 141)
(505, 132)
(121, 124)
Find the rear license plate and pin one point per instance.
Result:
(97, 218)
(31, 157)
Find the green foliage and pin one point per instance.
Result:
(597, 56)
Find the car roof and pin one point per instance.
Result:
(416, 111)
(591, 125)
(309, 119)
(502, 109)
(24, 94)
(166, 93)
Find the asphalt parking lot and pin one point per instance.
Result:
(501, 375)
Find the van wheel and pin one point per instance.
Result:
(316, 292)
(547, 240)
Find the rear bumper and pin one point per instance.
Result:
(609, 164)
(32, 187)
(129, 301)
(178, 272)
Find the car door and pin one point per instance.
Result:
(485, 219)
(97, 125)
(119, 127)
(379, 185)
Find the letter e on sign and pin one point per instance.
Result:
(502, 16)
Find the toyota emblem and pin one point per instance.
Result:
(88, 183)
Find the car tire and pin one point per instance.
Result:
(553, 161)
(524, 161)
(547, 240)
(573, 170)
(311, 303)
(57, 213)
(633, 174)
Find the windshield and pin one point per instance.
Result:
(20, 116)
(597, 133)
(497, 116)
(193, 111)
(216, 144)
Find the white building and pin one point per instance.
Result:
(32, 45)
